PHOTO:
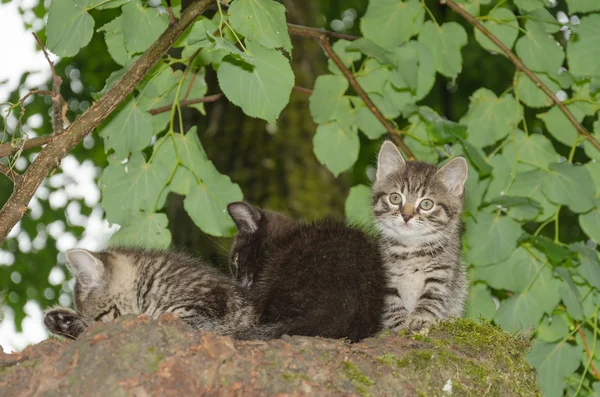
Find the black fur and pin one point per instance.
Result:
(324, 278)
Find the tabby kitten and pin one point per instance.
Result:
(417, 208)
(324, 278)
(123, 281)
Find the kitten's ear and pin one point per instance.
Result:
(454, 175)
(86, 268)
(245, 216)
(389, 160)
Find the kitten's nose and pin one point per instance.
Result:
(406, 217)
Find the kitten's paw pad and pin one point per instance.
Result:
(420, 323)
(62, 322)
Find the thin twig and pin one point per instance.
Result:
(210, 98)
(321, 36)
(303, 90)
(6, 149)
(59, 105)
(187, 102)
(589, 354)
(188, 67)
(295, 29)
(14, 209)
(521, 66)
(13, 175)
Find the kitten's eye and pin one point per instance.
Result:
(395, 199)
(426, 204)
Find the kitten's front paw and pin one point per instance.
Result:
(64, 322)
(418, 322)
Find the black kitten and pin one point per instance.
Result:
(315, 279)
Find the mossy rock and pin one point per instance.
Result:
(140, 356)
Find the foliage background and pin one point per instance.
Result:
(532, 218)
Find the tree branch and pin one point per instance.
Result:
(321, 36)
(11, 174)
(59, 105)
(58, 147)
(521, 66)
(6, 149)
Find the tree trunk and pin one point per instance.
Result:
(143, 357)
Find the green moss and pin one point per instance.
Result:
(154, 359)
(355, 374)
(455, 343)
(291, 376)
(391, 360)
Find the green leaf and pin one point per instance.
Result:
(520, 312)
(530, 94)
(503, 24)
(476, 158)
(145, 230)
(583, 6)
(262, 21)
(530, 5)
(189, 151)
(440, 129)
(132, 187)
(502, 171)
(336, 147)
(207, 202)
(570, 185)
(480, 303)
(559, 126)
(583, 52)
(590, 222)
(490, 118)
(554, 362)
(539, 51)
(517, 202)
(491, 238)
(69, 27)
(555, 252)
(529, 184)
(445, 43)
(553, 328)
(347, 55)
(389, 23)
(327, 101)
(589, 266)
(532, 151)
(208, 192)
(263, 91)
(545, 19)
(570, 296)
(129, 131)
(591, 150)
(115, 41)
(594, 170)
(141, 25)
(425, 77)
(365, 120)
(358, 205)
(222, 44)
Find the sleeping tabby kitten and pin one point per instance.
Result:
(417, 208)
(123, 281)
(323, 278)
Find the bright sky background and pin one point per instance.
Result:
(77, 180)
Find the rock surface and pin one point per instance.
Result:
(165, 357)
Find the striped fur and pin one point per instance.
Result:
(123, 281)
(421, 247)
